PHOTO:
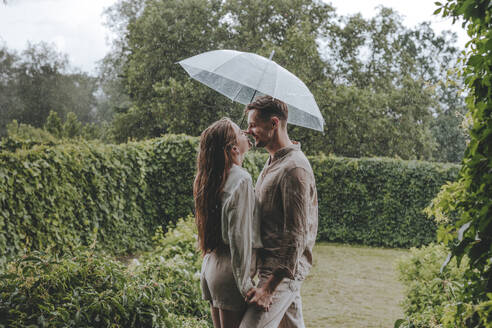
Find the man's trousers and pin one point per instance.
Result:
(285, 311)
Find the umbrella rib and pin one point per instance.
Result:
(218, 67)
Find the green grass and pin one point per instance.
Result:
(352, 287)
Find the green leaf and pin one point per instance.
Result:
(399, 323)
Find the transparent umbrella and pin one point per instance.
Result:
(241, 76)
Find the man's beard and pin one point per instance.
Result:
(263, 143)
(260, 144)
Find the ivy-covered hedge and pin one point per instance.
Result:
(378, 201)
(72, 194)
(67, 195)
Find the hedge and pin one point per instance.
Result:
(378, 201)
(67, 195)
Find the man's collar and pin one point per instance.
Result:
(284, 151)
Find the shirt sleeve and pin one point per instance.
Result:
(240, 234)
(295, 187)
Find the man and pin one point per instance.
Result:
(288, 208)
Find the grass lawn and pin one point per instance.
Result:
(352, 287)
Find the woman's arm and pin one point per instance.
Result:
(240, 219)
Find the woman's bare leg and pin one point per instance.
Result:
(230, 319)
(215, 316)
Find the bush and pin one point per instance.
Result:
(91, 289)
(373, 201)
(24, 136)
(432, 298)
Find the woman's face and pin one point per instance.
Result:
(242, 140)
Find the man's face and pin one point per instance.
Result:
(261, 131)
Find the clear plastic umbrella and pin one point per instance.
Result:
(241, 76)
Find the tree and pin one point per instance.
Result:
(471, 196)
(164, 98)
(10, 104)
(113, 98)
(384, 79)
(54, 125)
(377, 83)
(40, 80)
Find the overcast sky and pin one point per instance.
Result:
(76, 26)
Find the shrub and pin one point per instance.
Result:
(60, 197)
(91, 289)
(373, 201)
(432, 298)
(470, 196)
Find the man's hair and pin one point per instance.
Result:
(267, 107)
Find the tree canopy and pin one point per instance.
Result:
(384, 89)
(380, 86)
(470, 198)
(40, 80)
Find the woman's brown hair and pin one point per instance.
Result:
(213, 164)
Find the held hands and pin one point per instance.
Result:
(261, 297)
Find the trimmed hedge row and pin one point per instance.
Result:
(378, 201)
(68, 195)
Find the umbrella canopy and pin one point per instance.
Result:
(242, 75)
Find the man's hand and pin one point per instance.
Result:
(261, 297)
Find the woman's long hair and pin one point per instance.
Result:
(213, 164)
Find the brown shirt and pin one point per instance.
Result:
(287, 205)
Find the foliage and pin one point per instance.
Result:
(377, 201)
(40, 80)
(66, 195)
(433, 298)
(73, 128)
(60, 197)
(470, 196)
(91, 289)
(25, 136)
(381, 87)
(63, 196)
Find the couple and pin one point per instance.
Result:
(269, 230)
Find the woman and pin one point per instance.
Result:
(227, 228)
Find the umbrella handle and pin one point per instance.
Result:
(242, 121)
(254, 93)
